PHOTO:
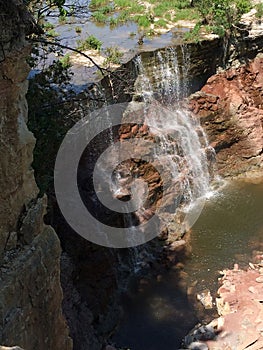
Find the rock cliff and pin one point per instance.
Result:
(230, 109)
(90, 273)
(30, 292)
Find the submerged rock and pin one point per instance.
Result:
(206, 299)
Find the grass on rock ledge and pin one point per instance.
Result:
(151, 14)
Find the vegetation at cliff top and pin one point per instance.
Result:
(151, 15)
(259, 8)
(211, 16)
(220, 15)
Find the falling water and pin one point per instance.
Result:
(183, 143)
(182, 138)
(164, 78)
(162, 82)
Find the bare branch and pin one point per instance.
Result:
(108, 72)
(55, 43)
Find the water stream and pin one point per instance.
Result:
(123, 36)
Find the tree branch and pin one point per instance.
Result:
(47, 42)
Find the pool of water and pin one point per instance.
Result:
(125, 36)
(158, 313)
(228, 231)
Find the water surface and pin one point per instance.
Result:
(158, 314)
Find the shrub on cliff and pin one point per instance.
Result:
(222, 15)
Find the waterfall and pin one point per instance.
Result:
(167, 81)
(167, 150)
(163, 78)
(183, 143)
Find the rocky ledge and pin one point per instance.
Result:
(229, 107)
(240, 325)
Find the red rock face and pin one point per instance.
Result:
(240, 304)
(240, 307)
(230, 108)
(165, 192)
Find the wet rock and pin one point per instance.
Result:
(177, 245)
(206, 299)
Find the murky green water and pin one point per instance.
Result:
(159, 313)
(228, 231)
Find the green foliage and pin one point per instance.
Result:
(143, 21)
(150, 33)
(160, 10)
(172, 3)
(106, 9)
(95, 4)
(222, 14)
(65, 61)
(218, 30)
(122, 4)
(259, 8)
(62, 19)
(168, 16)
(194, 34)
(113, 54)
(136, 8)
(161, 23)
(59, 4)
(90, 43)
(113, 21)
(99, 17)
(123, 17)
(126, 10)
(48, 26)
(243, 6)
(52, 33)
(40, 8)
(186, 14)
(58, 73)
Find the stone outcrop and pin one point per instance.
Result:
(240, 305)
(230, 110)
(30, 292)
(240, 308)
